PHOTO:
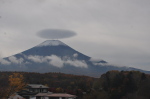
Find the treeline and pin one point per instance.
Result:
(111, 85)
(58, 82)
(121, 85)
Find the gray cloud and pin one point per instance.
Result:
(55, 34)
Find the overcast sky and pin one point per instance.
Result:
(117, 31)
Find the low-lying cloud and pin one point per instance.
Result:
(95, 60)
(55, 61)
(11, 60)
(52, 60)
(4, 62)
(56, 33)
(36, 58)
(77, 63)
(58, 61)
(75, 55)
(15, 60)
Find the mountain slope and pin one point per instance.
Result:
(55, 56)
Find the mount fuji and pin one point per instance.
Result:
(55, 56)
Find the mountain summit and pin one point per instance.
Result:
(55, 56)
(51, 43)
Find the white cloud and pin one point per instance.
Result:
(75, 55)
(95, 60)
(36, 58)
(77, 63)
(11, 59)
(4, 62)
(103, 64)
(14, 60)
(57, 61)
(52, 60)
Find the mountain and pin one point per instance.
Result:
(55, 56)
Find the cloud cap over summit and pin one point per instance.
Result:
(56, 33)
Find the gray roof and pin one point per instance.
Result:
(36, 86)
(56, 95)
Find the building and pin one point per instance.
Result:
(38, 88)
(16, 96)
(27, 94)
(32, 89)
(38, 91)
(55, 96)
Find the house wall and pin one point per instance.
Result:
(32, 97)
(39, 90)
(60, 98)
(44, 97)
(39, 97)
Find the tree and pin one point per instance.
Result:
(16, 83)
(59, 90)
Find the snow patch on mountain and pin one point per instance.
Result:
(51, 43)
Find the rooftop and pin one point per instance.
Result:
(36, 86)
(55, 95)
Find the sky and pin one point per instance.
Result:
(116, 31)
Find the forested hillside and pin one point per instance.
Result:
(58, 82)
(121, 85)
(111, 85)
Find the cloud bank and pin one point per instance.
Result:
(52, 60)
(58, 61)
(15, 60)
(11, 60)
(4, 62)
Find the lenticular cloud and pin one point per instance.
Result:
(56, 33)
